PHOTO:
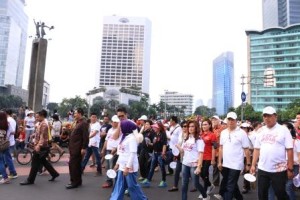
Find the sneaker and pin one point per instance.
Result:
(4, 181)
(11, 176)
(200, 196)
(145, 183)
(126, 192)
(207, 198)
(217, 196)
(162, 184)
(210, 189)
(141, 179)
(93, 165)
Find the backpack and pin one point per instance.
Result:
(4, 142)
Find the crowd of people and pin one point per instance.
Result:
(193, 149)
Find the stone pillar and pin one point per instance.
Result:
(36, 74)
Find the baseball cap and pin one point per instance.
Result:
(115, 118)
(245, 125)
(143, 117)
(215, 117)
(269, 110)
(231, 115)
(155, 126)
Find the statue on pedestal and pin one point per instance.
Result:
(40, 29)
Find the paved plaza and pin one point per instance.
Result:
(90, 190)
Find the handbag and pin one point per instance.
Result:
(4, 142)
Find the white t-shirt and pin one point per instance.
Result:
(174, 134)
(94, 141)
(192, 148)
(111, 143)
(125, 150)
(273, 143)
(29, 123)
(234, 143)
(12, 127)
(56, 126)
(296, 151)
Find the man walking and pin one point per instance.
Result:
(274, 149)
(79, 139)
(234, 144)
(41, 151)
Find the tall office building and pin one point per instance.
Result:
(125, 56)
(280, 13)
(277, 49)
(180, 101)
(223, 83)
(13, 37)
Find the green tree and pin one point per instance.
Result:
(11, 101)
(67, 104)
(205, 111)
(52, 106)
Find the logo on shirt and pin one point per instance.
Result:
(269, 138)
(121, 148)
(188, 146)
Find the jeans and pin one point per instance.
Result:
(129, 182)
(289, 185)
(229, 184)
(188, 172)
(205, 174)
(9, 162)
(89, 151)
(157, 158)
(276, 179)
(28, 134)
(2, 165)
(177, 172)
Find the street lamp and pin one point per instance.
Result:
(165, 104)
(268, 80)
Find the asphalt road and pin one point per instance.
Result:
(90, 190)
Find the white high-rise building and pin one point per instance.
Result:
(13, 38)
(179, 100)
(125, 56)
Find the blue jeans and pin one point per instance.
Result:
(9, 162)
(129, 182)
(188, 172)
(289, 184)
(89, 151)
(2, 165)
(229, 184)
(157, 158)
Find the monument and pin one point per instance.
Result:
(37, 67)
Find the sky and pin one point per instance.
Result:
(187, 35)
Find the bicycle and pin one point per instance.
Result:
(24, 156)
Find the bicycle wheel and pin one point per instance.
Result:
(24, 156)
(54, 155)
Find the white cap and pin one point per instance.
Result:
(225, 121)
(245, 125)
(30, 112)
(115, 118)
(216, 117)
(269, 110)
(143, 117)
(231, 115)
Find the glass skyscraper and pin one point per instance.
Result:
(223, 82)
(278, 49)
(13, 37)
(280, 13)
(125, 56)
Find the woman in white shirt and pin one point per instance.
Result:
(192, 149)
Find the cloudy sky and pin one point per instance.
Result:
(186, 36)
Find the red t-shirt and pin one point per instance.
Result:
(209, 138)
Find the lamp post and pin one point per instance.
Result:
(165, 113)
(268, 80)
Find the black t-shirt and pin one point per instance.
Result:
(148, 134)
(159, 140)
